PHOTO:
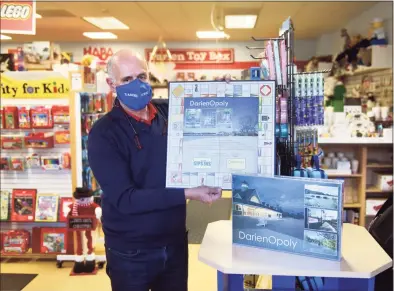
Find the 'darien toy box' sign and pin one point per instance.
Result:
(295, 215)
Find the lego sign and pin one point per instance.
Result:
(192, 56)
(18, 17)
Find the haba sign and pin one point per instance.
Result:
(192, 56)
(103, 53)
(53, 87)
(18, 17)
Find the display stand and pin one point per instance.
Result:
(360, 262)
(28, 90)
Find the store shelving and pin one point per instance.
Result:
(379, 166)
(352, 205)
(373, 189)
(344, 176)
(363, 150)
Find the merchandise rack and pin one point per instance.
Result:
(285, 146)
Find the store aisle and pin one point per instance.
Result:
(50, 278)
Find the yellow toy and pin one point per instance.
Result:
(88, 60)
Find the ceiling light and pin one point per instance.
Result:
(38, 16)
(214, 34)
(100, 35)
(106, 22)
(240, 21)
(5, 37)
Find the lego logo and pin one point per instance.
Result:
(15, 12)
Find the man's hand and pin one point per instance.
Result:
(204, 194)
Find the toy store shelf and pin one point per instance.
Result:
(367, 140)
(28, 255)
(368, 70)
(352, 205)
(375, 190)
(344, 175)
(379, 166)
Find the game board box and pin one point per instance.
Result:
(286, 214)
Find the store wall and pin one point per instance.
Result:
(304, 50)
(331, 43)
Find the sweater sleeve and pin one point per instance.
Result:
(113, 174)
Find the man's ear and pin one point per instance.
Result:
(111, 84)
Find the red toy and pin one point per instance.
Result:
(84, 207)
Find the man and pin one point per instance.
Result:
(144, 223)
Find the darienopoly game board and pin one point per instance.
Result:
(219, 128)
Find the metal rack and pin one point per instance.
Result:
(284, 146)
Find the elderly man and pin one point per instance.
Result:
(143, 222)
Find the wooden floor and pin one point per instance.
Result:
(50, 278)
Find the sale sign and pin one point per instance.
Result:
(192, 56)
(18, 17)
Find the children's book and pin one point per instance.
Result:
(47, 207)
(300, 216)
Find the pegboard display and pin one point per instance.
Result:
(381, 85)
(45, 180)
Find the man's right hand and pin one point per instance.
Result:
(204, 194)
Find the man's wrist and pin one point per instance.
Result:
(187, 194)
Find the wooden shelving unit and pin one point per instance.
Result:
(362, 151)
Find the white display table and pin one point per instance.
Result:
(362, 260)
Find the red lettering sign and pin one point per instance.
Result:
(101, 52)
(18, 17)
(192, 56)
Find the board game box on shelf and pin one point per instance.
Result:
(287, 214)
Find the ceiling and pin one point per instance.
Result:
(179, 21)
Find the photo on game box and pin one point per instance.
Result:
(23, 204)
(273, 213)
(53, 240)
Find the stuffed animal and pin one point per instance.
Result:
(83, 205)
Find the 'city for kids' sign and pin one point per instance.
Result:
(18, 17)
(49, 87)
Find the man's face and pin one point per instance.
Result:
(127, 68)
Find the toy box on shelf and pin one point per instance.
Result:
(35, 164)
(307, 222)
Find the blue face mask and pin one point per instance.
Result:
(134, 95)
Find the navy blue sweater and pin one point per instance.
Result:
(138, 211)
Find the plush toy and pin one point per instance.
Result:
(378, 36)
(83, 205)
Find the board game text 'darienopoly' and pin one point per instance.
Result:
(216, 129)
